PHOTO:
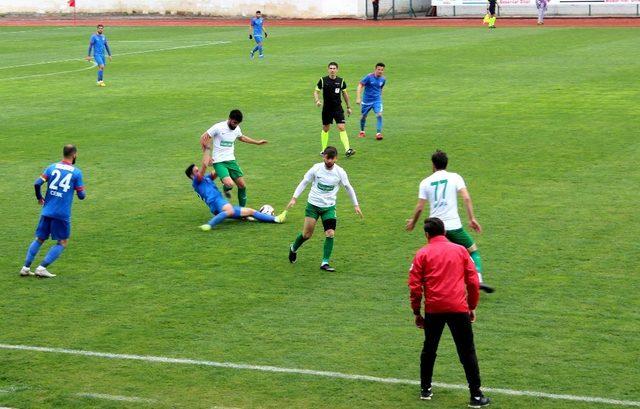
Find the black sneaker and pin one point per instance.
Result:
(293, 256)
(479, 401)
(350, 153)
(486, 288)
(426, 394)
(327, 267)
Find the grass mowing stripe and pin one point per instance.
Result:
(328, 374)
(93, 65)
(115, 397)
(120, 54)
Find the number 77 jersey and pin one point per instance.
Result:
(63, 180)
(441, 191)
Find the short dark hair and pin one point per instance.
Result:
(69, 150)
(189, 171)
(100, 25)
(439, 160)
(236, 115)
(332, 63)
(330, 151)
(258, 12)
(380, 64)
(434, 227)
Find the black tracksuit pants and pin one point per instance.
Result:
(460, 327)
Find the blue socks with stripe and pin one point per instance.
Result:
(262, 217)
(32, 252)
(52, 255)
(379, 124)
(217, 219)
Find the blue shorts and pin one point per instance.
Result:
(257, 38)
(99, 59)
(217, 204)
(376, 106)
(58, 229)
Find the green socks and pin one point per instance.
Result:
(328, 248)
(242, 197)
(298, 242)
(477, 260)
(345, 140)
(324, 138)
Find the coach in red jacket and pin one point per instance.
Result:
(446, 275)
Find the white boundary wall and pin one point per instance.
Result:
(527, 8)
(224, 8)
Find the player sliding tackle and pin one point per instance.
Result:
(207, 190)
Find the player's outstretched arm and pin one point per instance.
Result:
(37, 184)
(466, 198)
(411, 223)
(359, 93)
(347, 101)
(248, 140)
(205, 141)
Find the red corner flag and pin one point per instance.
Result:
(72, 3)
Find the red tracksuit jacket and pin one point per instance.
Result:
(446, 275)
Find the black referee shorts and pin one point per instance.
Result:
(329, 116)
(492, 7)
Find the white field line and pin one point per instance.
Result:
(327, 374)
(115, 397)
(93, 65)
(12, 389)
(120, 54)
(32, 31)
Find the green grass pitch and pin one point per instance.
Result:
(541, 123)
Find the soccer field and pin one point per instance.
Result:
(541, 123)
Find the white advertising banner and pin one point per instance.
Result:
(528, 2)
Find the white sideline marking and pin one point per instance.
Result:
(93, 65)
(32, 31)
(119, 55)
(115, 397)
(327, 374)
(12, 389)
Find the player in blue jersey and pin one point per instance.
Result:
(206, 189)
(372, 98)
(255, 31)
(99, 44)
(63, 179)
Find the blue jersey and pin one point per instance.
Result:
(208, 192)
(256, 23)
(372, 88)
(99, 44)
(63, 179)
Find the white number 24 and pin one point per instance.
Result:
(65, 183)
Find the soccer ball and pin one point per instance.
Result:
(267, 209)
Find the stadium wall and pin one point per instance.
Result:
(222, 8)
(566, 10)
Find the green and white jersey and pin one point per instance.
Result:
(441, 191)
(325, 184)
(224, 141)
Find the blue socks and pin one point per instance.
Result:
(260, 49)
(32, 252)
(256, 48)
(52, 255)
(100, 73)
(267, 218)
(379, 124)
(217, 219)
(363, 122)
